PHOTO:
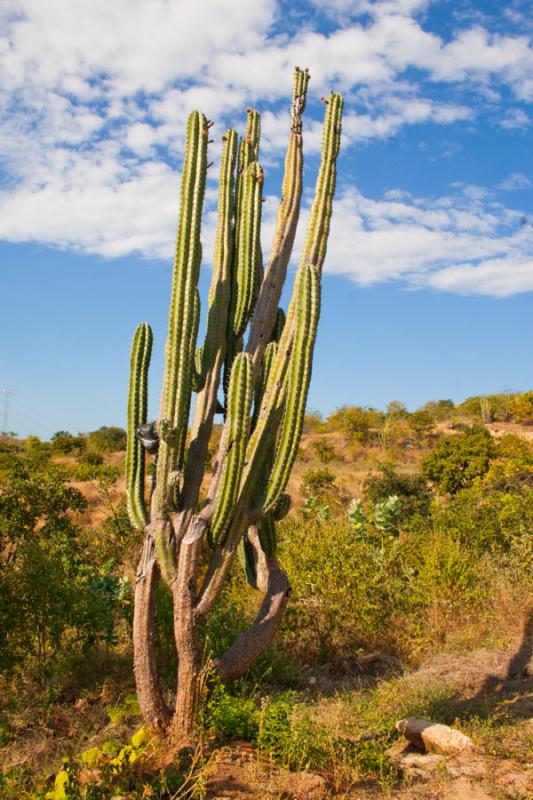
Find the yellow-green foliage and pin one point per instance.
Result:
(115, 769)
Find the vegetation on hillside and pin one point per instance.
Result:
(409, 536)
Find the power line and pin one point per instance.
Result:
(8, 393)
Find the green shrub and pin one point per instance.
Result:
(440, 410)
(107, 439)
(521, 408)
(422, 423)
(66, 444)
(318, 482)
(486, 520)
(325, 452)
(457, 460)
(53, 599)
(412, 491)
(353, 422)
(86, 471)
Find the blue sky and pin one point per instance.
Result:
(429, 274)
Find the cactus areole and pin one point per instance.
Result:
(255, 366)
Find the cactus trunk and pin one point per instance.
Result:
(259, 361)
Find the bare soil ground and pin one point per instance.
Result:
(493, 683)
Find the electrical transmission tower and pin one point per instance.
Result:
(8, 393)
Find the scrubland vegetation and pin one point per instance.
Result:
(408, 542)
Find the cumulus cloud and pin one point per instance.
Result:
(95, 96)
(455, 243)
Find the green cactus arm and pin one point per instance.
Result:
(246, 554)
(141, 351)
(248, 248)
(257, 451)
(238, 425)
(234, 346)
(277, 330)
(214, 347)
(307, 314)
(177, 382)
(266, 528)
(266, 367)
(318, 230)
(260, 444)
(282, 507)
(215, 338)
(253, 133)
(198, 375)
(314, 250)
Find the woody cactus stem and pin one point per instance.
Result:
(260, 360)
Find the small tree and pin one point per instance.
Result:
(65, 443)
(457, 460)
(265, 384)
(107, 439)
(521, 408)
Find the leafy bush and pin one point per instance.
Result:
(383, 519)
(457, 460)
(318, 482)
(52, 596)
(325, 452)
(412, 491)
(440, 410)
(486, 520)
(92, 468)
(66, 444)
(316, 510)
(353, 422)
(521, 408)
(422, 423)
(313, 421)
(488, 408)
(107, 439)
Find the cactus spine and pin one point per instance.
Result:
(245, 495)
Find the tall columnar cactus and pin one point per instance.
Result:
(254, 367)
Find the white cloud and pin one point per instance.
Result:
(497, 277)
(515, 118)
(96, 94)
(515, 181)
(439, 242)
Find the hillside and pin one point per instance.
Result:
(412, 601)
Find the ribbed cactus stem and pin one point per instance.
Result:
(253, 133)
(314, 250)
(213, 352)
(141, 351)
(219, 292)
(184, 310)
(238, 422)
(267, 534)
(266, 367)
(248, 247)
(318, 228)
(299, 376)
(281, 319)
